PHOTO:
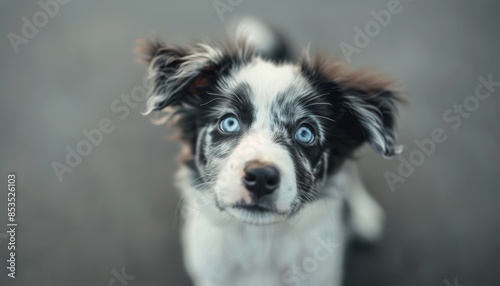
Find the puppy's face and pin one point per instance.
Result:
(264, 136)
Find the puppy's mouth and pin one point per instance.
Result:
(255, 208)
(256, 214)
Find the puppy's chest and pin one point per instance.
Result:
(268, 252)
(264, 252)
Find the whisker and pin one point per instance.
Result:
(326, 118)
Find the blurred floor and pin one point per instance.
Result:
(117, 208)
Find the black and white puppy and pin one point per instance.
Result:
(267, 177)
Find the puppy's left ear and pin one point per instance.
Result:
(177, 74)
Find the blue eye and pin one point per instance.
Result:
(230, 124)
(304, 135)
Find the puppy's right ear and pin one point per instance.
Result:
(177, 74)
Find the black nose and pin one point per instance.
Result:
(261, 179)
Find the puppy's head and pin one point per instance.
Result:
(264, 135)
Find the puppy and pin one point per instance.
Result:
(270, 195)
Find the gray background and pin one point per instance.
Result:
(118, 207)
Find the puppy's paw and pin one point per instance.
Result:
(367, 220)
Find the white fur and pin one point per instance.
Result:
(266, 80)
(257, 146)
(221, 250)
(255, 33)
